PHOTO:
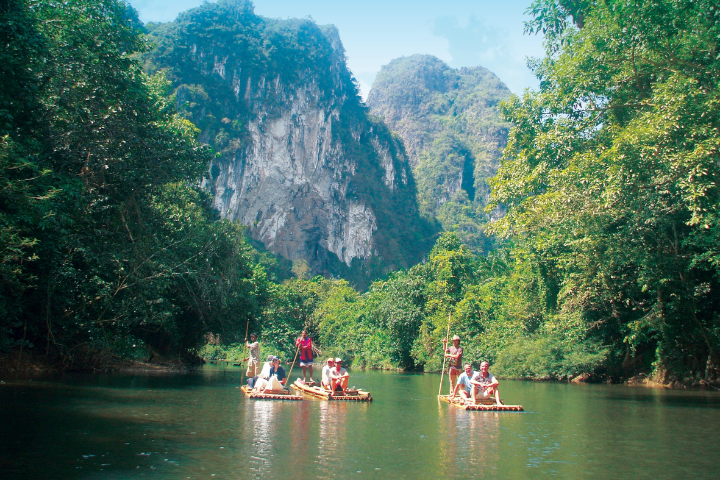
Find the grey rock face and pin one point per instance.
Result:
(301, 163)
(290, 183)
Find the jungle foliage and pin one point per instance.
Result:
(399, 322)
(106, 242)
(611, 176)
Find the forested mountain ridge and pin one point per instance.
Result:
(299, 159)
(453, 132)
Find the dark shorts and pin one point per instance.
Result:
(454, 370)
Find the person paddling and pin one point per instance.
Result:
(454, 355)
(254, 356)
(304, 343)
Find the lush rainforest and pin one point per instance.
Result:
(609, 261)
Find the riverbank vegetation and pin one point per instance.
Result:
(609, 266)
(106, 242)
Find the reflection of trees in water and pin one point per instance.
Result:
(469, 441)
(260, 416)
(301, 426)
(332, 441)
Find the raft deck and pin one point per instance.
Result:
(486, 405)
(273, 395)
(348, 396)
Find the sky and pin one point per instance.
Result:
(462, 33)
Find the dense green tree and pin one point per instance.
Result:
(610, 178)
(106, 243)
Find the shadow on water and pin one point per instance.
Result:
(200, 425)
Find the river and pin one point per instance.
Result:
(201, 426)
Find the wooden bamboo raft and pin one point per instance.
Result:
(348, 396)
(486, 405)
(274, 395)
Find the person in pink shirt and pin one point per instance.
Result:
(304, 343)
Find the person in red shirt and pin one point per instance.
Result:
(304, 343)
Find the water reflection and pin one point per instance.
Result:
(332, 440)
(197, 426)
(469, 442)
(259, 418)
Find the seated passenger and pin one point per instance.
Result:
(485, 384)
(465, 380)
(339, 377)
(277, 378)
(326, 373)
(259, 382)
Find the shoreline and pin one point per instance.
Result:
(31, 364)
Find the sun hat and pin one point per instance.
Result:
(455, 337)
(338, 360)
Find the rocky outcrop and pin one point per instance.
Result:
(448, 120)
(300, 161)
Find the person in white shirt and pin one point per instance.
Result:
(278, 377)
(326, 373)
(260, 382)
(485, 384)
(339, 377)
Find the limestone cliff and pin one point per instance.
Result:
(300, 160)
(453, 133)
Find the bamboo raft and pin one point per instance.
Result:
(486, 405)
(348, 396)
(273, 395)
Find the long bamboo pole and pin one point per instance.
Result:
(247, 327)
(447, 336)
(297, 350)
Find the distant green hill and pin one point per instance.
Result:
(453, 134)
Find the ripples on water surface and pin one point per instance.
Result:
(202, 426)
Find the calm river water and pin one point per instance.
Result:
(201, 426)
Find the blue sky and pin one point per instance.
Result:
(463, 33)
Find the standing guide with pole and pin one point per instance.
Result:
(447, 335)
(247, 327)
